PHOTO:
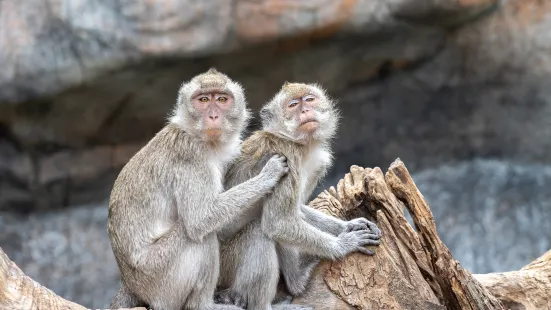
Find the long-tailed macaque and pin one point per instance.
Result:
(298, 123)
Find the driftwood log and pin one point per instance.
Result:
(412, 268)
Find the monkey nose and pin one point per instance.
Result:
(213, 120)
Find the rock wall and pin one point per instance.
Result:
(85, 83)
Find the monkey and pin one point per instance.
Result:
(282, 230)
(168, 202)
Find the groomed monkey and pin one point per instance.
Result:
(297, 123)
(168, 202)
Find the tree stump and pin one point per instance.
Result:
(411, 269)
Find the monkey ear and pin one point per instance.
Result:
(266, 115)
(212, 70)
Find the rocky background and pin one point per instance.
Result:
(458, 89)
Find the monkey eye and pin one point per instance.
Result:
(203, 99)
(309, 98)
(293, 103)
(222, 99)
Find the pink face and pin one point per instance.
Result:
(213, 105)
(303, 109)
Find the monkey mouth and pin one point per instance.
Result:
(309, 121)
(309, 125)
(213, 132)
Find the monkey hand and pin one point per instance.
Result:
(362, 223)
(275, 168)
(355, 241)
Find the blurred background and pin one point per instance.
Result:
(460, 90)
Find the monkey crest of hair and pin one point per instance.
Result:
(187, 118)
(326, 113)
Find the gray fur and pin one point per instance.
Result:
(282, 233)
(169, 202)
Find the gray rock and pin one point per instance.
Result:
(493, 215)
(54, 45)
(67, 251)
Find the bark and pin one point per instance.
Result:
(411, 269)
(528, 288)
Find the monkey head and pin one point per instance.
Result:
(301, 112)
(211, 107)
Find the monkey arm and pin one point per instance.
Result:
(322, 221)
(213, 215)
(296, 232)
(282, 221)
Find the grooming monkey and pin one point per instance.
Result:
(297, 123)
(168, 202)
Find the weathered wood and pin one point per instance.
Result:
(526, 289)
(392, 278)
(412, 268)
(460, 290)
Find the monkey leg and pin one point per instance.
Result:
(250, 269)
(203, 300)
(296, 268)
(185, 279)
(125, 299)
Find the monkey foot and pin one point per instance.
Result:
(291, 307)
(230, 297)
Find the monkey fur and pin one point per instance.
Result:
(281, 231)
(168, 202)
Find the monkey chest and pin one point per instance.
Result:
(216, 176)
(312, 169)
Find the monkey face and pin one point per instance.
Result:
(301, 112)
(212, 107)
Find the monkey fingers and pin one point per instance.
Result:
(276, 167)
(283, 160)
(367, 238)
(374, 229)
(356, 224)
(362, 224)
